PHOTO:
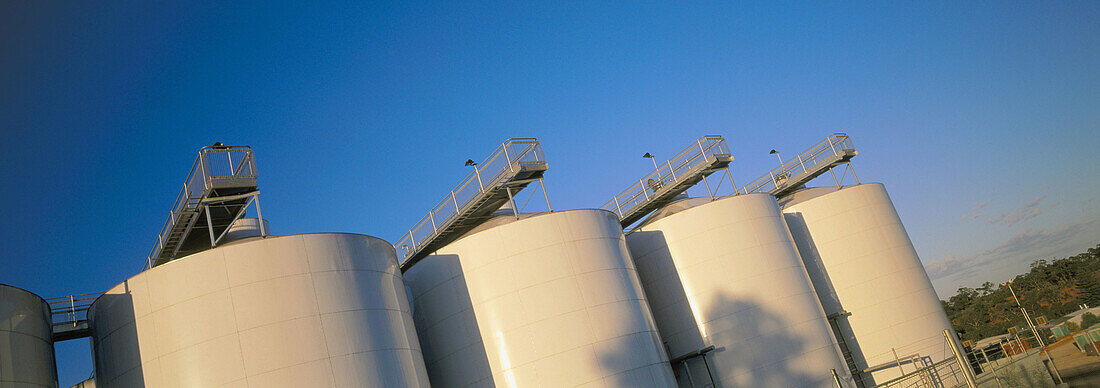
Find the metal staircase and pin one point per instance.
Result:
(221, 185)
(514, 165)
(659, 187)
(835, 150)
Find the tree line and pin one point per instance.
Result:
(1050, 289)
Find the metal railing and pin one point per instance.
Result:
(72, 309)
(213, 164)
(489, 174)
(831, 147)
(700, 151)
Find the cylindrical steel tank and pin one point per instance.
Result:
(26, 340)
(725, 273)
(550, 300)
(867, 274)
(312, 310)
(245, 228)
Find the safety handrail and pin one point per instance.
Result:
(667, 173)
(207, 169)
(488, 174)
(832, 146)
(72, 309)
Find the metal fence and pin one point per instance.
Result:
(1016, 361)
(487, 174)
(638, 193)
(213, 164)
(801, 163)
(72, 309)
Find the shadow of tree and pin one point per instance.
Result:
(754, 346)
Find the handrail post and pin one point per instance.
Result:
(431, 215)
(617, 208)
(641, 183)
(963, 363)
(831, 146)
(412, 238)
(453, 199)
(800, 163)
(670, 170)
(202, 170)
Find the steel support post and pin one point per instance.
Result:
(260, 215)
(209, 227)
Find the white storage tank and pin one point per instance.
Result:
(311, 310)
(26, 340)
(725, 273)
(550, 300)
(868, 275)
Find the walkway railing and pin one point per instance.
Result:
(215, 167)
(507, 170)
(70, 315)
(796, 171)
(653, 190)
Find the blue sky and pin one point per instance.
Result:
(983, 120)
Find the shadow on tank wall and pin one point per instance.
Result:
(117, 359)
(475, 362)
(769, 344)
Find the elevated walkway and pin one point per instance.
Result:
(221, 184)
(70, 316)
(835, 150)
(514, 165)
(659, 187)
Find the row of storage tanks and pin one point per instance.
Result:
(734, 291)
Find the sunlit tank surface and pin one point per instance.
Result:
(26, 343)
(311, 310)
(725, 273)
(866, 271)
(550, 300)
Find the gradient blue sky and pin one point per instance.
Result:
(982, 119)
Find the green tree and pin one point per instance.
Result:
(1073, 327)
(1089, 289)
(1089, 319)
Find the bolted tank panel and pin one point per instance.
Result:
(317, 310)
(726, 274)
(550, 300)
(867, 272)
(26, 340)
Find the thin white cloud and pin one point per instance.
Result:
(1022, 246)
(1029, 210)
(975, 212)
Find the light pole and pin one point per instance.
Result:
(654, 160)
(776, 153)
(1034, 332)
(471, 162)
